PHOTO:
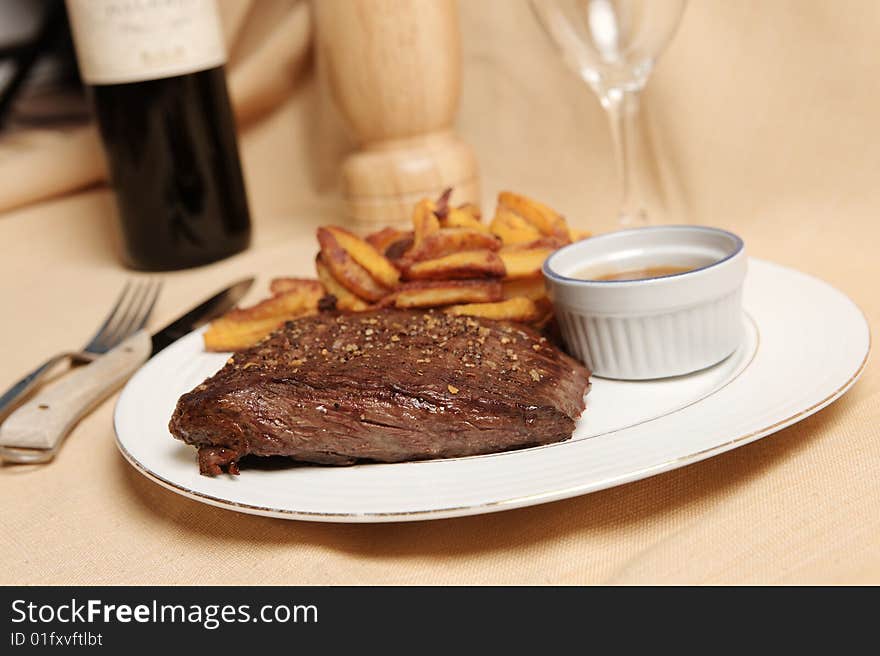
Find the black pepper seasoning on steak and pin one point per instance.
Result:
(383, 386)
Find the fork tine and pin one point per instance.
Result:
(147, 309)
(123, 327)
(102, 329)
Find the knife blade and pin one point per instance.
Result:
(34, 432)
(218, 304)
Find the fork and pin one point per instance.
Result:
(128, 315)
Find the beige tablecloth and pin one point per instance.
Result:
(763, 119)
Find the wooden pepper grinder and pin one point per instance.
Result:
(393, 69)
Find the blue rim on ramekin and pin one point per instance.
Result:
(739, 243)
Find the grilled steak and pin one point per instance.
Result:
(383, 386)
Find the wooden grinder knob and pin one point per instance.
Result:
(393, 70)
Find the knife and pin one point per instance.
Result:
(34, 432)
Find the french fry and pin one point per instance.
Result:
(472, 209)
(382, 239)
(364, 254)
(294, 302)
(552, 243)
(519, 308)
(457, 218)
(451, 240)
(512, 228)
(546, 220)
(396, 251)
(577, 235)
(441, 207)
(425, 222)
(307, 286)
(531, 288)
(461, 265)
(545, 305)
(227, 335)
(446, 292)
(347, 271)
(450, 260)
(546, 316)
(244, 327)
(523, 262)
(546, 323)
(345, 300)
(463, 216)
(391, 242)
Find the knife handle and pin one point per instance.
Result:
(43, 422)
(27, 383)
(14, 394)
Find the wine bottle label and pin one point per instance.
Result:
(120, 41)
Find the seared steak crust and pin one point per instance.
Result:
(383, 386)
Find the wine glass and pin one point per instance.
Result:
(612, 45)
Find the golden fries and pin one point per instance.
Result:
(241, 328)
(461, 265)
(512, 228)
(391, 242)
(531, 288)
(450, 260)
(523, 262)
(452, 245)
(306, 286)
(227, 335)
(294, 302)
(345, 300)
(545, 310)
(547, 221)
(519, 308)
(459, 219)
(346, 270)
(451, 240)
(441, 207)
(368, 257)
(472, 210)
(425, 222)
(382, 239)
(446, 292)
(466, 216)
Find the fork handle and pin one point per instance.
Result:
(44, 421)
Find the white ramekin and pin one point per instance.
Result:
(657, 327)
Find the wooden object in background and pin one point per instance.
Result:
(393, 69)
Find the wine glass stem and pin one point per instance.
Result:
(622, 107)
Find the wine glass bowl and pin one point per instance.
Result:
(613, 45)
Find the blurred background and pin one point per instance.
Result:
(758, 115)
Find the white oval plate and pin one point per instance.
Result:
(806, 344)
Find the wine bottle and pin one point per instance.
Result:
(155, 69)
